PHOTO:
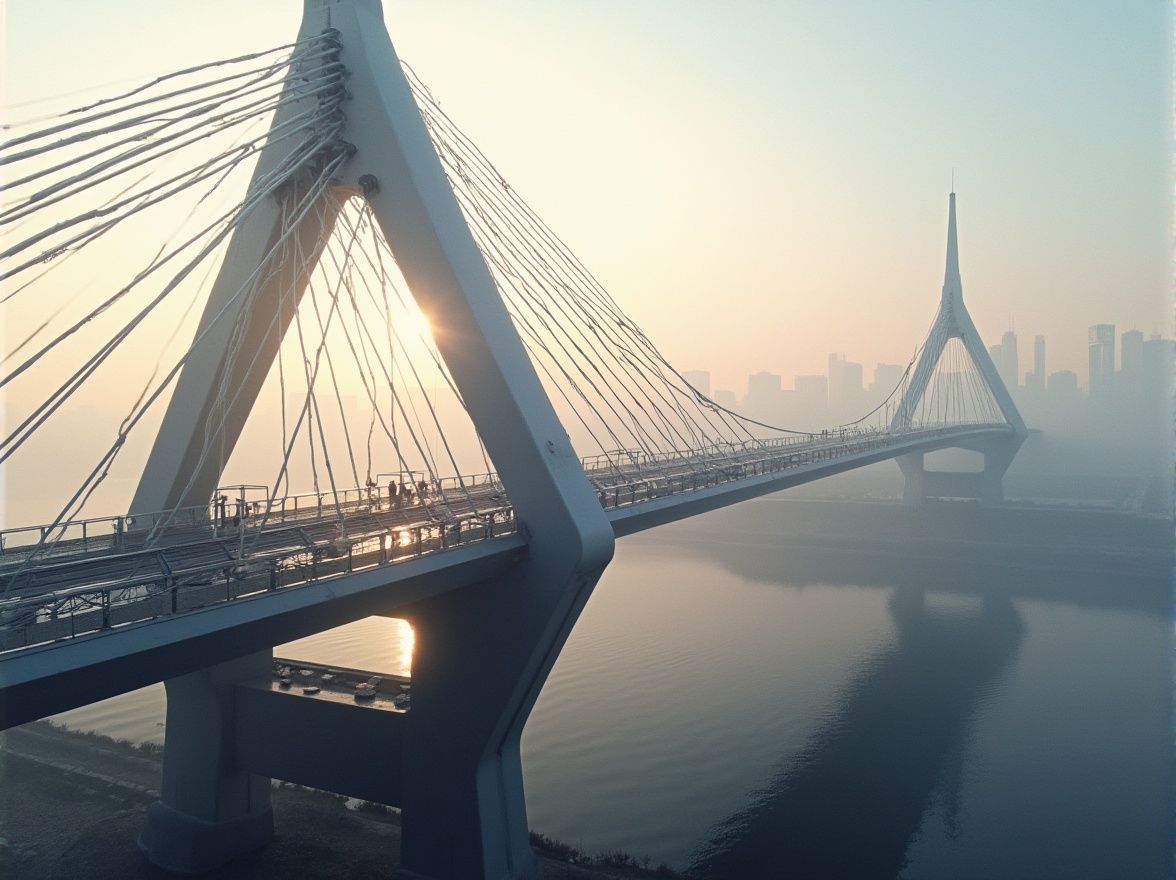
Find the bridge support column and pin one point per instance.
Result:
(209, 811)
(985, 485)
(480, 657)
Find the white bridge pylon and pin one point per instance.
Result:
(953, 322)
(481, 654)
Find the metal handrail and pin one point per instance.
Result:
(269, 572)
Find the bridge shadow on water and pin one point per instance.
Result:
(851, 804)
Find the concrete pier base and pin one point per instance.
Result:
(186, 845)
(210, 811)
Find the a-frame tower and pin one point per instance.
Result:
(954, 322)
(481, 652)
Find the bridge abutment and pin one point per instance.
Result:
(210, 810)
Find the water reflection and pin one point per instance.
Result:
(406, 639)
(1136, 587)
(1055, 557)
(849, 806)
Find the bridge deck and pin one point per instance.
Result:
(103, 615)
(174, 564)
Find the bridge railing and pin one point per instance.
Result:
(78, 611)
(119, 533)
(786, 454)
(623, 460)
(97, 533)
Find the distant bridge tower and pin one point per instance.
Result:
(954, 322)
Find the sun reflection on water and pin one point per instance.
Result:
(406, 638)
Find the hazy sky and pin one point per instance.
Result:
(762, 183)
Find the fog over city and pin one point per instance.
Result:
(761, 188)
(847, 551)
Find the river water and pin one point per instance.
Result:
(815, 689)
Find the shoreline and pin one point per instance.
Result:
(73, 805)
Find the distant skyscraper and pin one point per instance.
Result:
(727, 399)
(1009, 366)
(812, 390)
(764, 396)
(845, 384)
(1101, 346)
(1131, 381)
(763, 384)
(1063, 384)
(700, 379)
(886, 379)
(1004, 358)
(1035, 378)
(1131, 355)
(1157, 368)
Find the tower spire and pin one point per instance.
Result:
(953, 291)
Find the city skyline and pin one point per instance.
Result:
(889, 374)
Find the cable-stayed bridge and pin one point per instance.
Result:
(462, 419)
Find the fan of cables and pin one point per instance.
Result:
(93, 297)
(957, 393)
(623, 403)
(358, 397)
(104, 316)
